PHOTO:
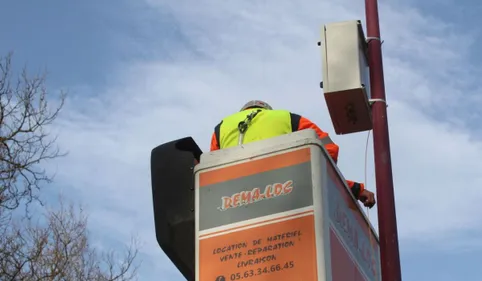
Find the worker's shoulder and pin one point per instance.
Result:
(285, 112)
(279, 110)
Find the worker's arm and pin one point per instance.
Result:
(214, 142)
(356, 188)
(215, 138)
(301, 123)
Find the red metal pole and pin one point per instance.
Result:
(387, 219)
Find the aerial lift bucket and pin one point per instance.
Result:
(279, 210)
(272, 210)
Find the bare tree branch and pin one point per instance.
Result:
(59, 249)
(25, 115)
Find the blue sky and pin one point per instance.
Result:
(145, 73)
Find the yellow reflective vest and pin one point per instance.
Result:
(265, 124)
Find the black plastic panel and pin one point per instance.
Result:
(173, 194)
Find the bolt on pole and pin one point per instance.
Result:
(387, 219)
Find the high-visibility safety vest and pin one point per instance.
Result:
(263, 125)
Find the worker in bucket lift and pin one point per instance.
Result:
(264, 122)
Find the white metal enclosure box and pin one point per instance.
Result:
(346, 76)
(279, 210)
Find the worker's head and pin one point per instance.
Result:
(256, 104)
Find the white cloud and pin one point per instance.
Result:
(252, 50)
